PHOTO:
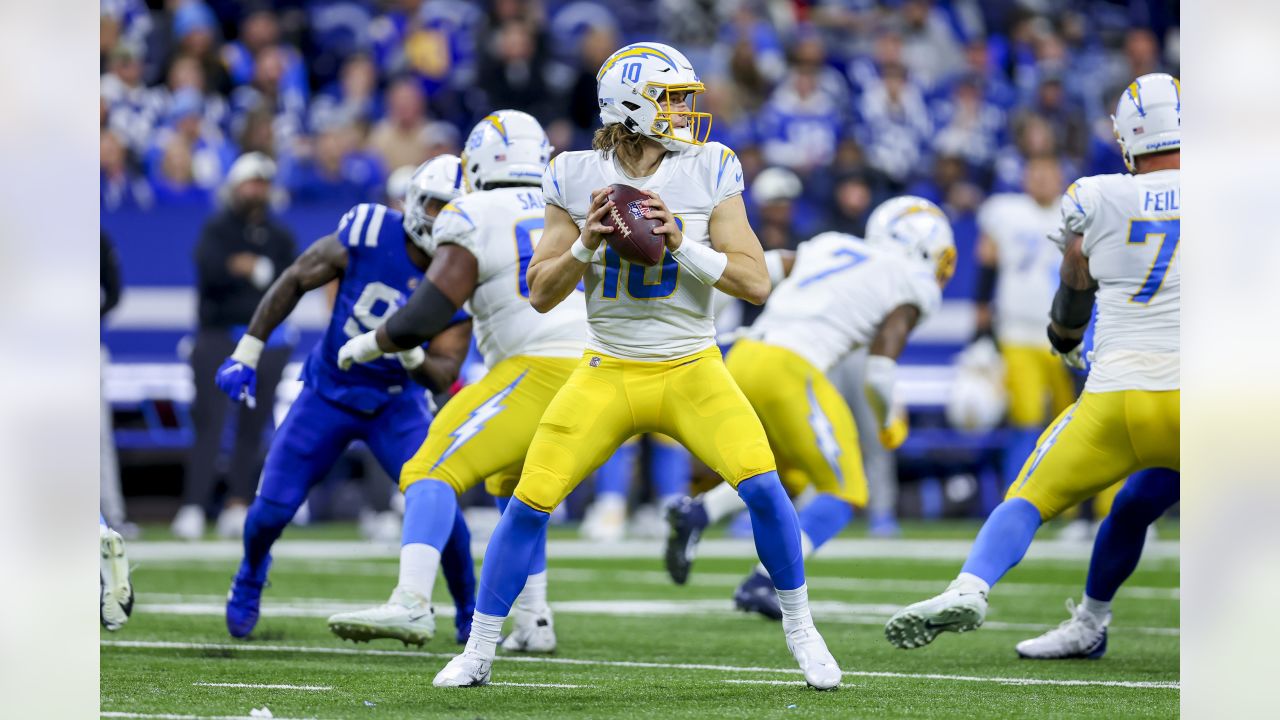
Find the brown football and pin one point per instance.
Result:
(633, 237)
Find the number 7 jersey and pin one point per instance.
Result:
(1131, 230)
(500, 228)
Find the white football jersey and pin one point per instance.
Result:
(1028, 266)
(662, 312)
(839, 291)
(1131, 233)
(501, 227)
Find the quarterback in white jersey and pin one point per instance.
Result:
(1120, 240)
(843, 294)
(481, 245)
(652, 364)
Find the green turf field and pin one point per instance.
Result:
(632, 644)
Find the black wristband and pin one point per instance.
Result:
(1072, 308)
(986, 284)
(424, 316)
(1061, 344)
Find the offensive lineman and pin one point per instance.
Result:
(482, 244)
(378, 255)
(651, 362)
(842, 294)
(1120, 240)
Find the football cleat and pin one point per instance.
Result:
(188, 524)
(115, 591)
(958, 609)
(605, 520)
(231, 521)
(820, 669)
(406, 617)
(756, 594)
(687, 518)
(532, 633)
(466, 670)
(244, 599)
(1081, 636)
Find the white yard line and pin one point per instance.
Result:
(313, 688)
(827, 611)
(168, 716)
(247, 647)
(799, 683)
(541, 685)
(840, 548)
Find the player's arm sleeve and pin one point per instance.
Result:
(555, 183)
(109, 277)
(726, 175)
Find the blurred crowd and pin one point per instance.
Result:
(831, 104)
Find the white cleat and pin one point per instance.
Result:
(115, 590)
(605, 520)
(188, 524)
(469, 669)
(231, 522)
(958, 609)
(406, 617)
(810, 651)
(1082, 636)
(532, 633)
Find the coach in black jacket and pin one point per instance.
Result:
(241, 251)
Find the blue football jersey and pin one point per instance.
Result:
(379, 279)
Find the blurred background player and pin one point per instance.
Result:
(1144, 497)
(377, 257)
(843, 294)
(652, 363)
(242, 251)
(669, 467)
(1120, 238)
(481, 246)
(111, 499)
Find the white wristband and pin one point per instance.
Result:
(703, 262)
(878, 381)
(773, 264)
(581, 252)
(248, 351)
(413, 358)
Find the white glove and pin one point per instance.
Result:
(361, 348)
(412, 359)
(1074, 357)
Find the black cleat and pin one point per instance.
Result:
(687, 519)
(756, 594)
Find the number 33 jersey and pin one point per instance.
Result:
(501, 228)
(1131, 230)
(378, 279)
(839, 291)
(637, 312)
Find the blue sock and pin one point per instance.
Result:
(614, 476)
(1003, 540)
(430, 507)
(670, 468)
(539, 551)
(266, 520)
(824, 518)
(776, 529)
(1118, 547)
(458, 568)
(509, 557)
(1022, 442)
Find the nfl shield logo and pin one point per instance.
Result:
(638, 211)
(595, 361)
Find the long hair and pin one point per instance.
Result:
(615, 138)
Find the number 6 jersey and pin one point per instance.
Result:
(500, 228)
(1131, 230)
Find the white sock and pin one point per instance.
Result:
(806, 549)
(485, 631)
(533, 598)
(418, 565)
(973, 583)
(720, 501)
(795, 608)
(1096, 608)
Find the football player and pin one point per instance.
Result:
(115, 591)
(1116, 551)
(1120, 240)
(377, 255)
(651, 364)
(481, 245)
(843, 294)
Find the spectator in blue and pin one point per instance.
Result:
(968, 124)
(132, 109)
(186, 73)
(195, 30)
(930, 46)
(981, 68)
(266, 92)
(804, 120)
(338, 171)
(436, 41)
(895, 125)
(1033, 136)
(119, 186)
(210, 154)
(1064, 116)
(514, 74)
(353, 98)
(259, 31)
(336, 30)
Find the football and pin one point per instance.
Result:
(633, 236)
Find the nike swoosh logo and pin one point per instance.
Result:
(419, 616)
